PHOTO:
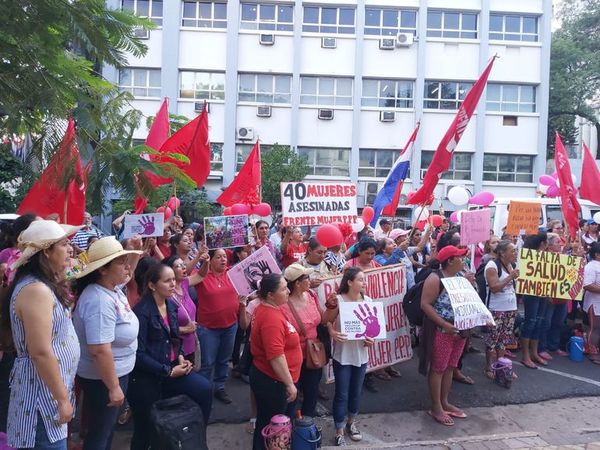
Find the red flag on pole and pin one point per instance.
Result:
(568, 193)
(245, 186)
(590, 177)
(443, 155)
(157, 136)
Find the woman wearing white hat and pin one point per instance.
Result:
(37, 311)
(107, 330)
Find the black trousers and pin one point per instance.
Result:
(6, 365)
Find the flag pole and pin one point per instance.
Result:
(66, 206)
(175, 195)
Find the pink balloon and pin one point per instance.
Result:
(227, 211)
(174, 203)
(262, 209)
(368, 214)
(484, 198)
(454, 217)
(239, 209)
(165, 210)
(547, 180)
(553, 191)
(329, 235)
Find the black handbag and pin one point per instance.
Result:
(246, 357)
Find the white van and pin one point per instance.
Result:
(551, 210)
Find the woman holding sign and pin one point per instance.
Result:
(444, 343)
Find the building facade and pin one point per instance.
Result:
(344, 82)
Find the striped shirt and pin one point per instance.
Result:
(82, 236)
(30, 397)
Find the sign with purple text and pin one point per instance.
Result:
(226, 231)
(475, 226)
(246, 274)
(359, 320)
(469, 310)
(146, 225)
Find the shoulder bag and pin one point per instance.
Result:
(315, 350)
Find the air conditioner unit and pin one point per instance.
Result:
(371, 190)
(263, 111)
(387, 43)
(140, 33)
(198, 107)
(245, 134)
(266, 39)
(328, 42)
(387, 116)
(404, 39)
(325, 114)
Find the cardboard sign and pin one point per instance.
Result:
(226, 231)
(247, 273)
(314, 203)
(385, 285)
(523, 218)
(475, 226)
(362, 319)
(146, 225)
(547, 274)
(469, 310)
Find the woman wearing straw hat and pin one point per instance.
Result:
(107, 329)
(37, 311)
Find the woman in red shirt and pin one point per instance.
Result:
(292, 246)
(366, 249)
(217, 318)
(275, 346)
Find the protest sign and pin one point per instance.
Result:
(386, 285)
(547, 274)
(314, 203)
(226, 231)
(469, 310)
(523, 218)
(475, 226)
(362, 319)
(146, 225)
(245, 275)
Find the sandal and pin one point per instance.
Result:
(457, 414)
(489, 373)
(540, 361)
(443, 419)
(529, 365)
(464, 379)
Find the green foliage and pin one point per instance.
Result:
(176, 122)
(279, 164)
(10, 169)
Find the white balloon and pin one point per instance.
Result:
(597, 217)
(458, 196)
(574, 177)
(421, 213)
(358, 226)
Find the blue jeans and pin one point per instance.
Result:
(535, 309)
(41, 438)
(552, 326)
(217, 346)
(348, 387)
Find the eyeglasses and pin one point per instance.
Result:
(179, 266)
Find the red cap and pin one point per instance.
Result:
(450, 251)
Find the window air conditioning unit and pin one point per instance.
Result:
(140, 33)
(198, 107)
(387, 116)
(371, 191)
(325, 114)
(328, 42)
(263, 111)
(266, 39)
(404, 39)
(245, 134)
(387, 43)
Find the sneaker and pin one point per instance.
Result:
(353, 432)
(339, 440)
(222, 396)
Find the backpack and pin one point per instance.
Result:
(177, 423)
(482, 287)
(411, 303)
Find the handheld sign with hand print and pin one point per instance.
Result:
(362, 319)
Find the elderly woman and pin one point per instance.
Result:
(37, 316)
(107, 329)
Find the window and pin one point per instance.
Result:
(140, 82)
(325, 91)
(152, 9)
(452, 24)
(263, 88)
(243, 150)
(508, 168)
(387, 93)
(216, 157)
(445, 94)
(510, 98)
(202, 85)
(376, 163)
(328, 19)
(263, 16)
(333, 162)
(460, 166)
(388, 22)
(204, 14)
(505, 27)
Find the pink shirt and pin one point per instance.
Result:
(309, 315)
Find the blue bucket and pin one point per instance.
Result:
(576, 348)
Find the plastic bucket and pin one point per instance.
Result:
(576, 348)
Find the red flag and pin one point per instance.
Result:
(443, 155)
(568, 193)
(390, 209)
(51, 193)
(192, 141)
(157, 136)
(590, 177)
(245, 186)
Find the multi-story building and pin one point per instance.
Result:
(344, 82)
